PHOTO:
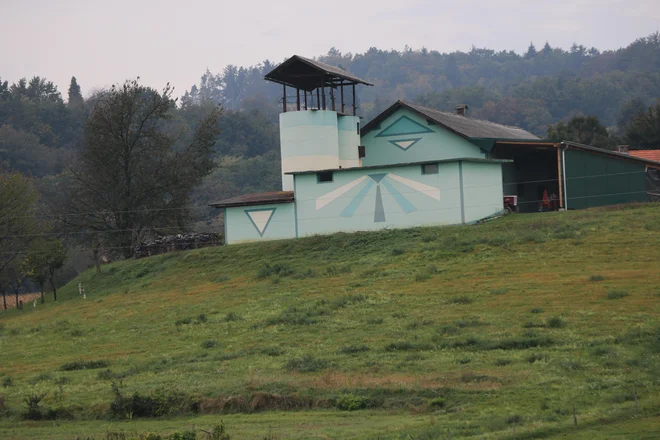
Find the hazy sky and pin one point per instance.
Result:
(105, 42)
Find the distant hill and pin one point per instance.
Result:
(510, 326)
(543, 86)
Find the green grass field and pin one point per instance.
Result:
(487, 332)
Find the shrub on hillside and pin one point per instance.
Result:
(460, 300)
(596, 278)
(209, 343)
(84, 365)
(556, 322)
(277, 269)
(353, 349)
(306, 364)
(351, 402)
(616, 294)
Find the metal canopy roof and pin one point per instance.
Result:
(305, 74)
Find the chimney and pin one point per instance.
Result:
(622, 149)
(462, 109)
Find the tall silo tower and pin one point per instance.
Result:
(319, 130)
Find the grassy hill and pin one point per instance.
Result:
(491, 331)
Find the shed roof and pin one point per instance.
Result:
(464, 126)
(306, 74)
(256, 199)
(646, 154)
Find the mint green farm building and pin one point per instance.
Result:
(412, 166)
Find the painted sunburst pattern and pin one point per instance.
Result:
(382, 182)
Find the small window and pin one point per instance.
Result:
(324, 177)
(358, 127)
(362, 151)
(430, 168)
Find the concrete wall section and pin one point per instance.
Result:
(482, 190)
(309, 140)
(349, 140)
(261, 222)
(405, 137)
(378, 198)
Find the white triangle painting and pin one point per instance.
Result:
(260, 218)
(404, 144)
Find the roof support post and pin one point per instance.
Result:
(332, 97)
(283, 98)
(354, 106)
(341, 93)
(305, 91)
(298, 99)
(559, 177)
(323, 97)
(318, 99)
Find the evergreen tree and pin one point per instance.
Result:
(547, 50)
(531, 51)
(75, 95)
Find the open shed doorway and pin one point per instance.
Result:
(534, 170)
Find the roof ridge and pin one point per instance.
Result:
(448, 113)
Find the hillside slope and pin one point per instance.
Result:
(478, 331)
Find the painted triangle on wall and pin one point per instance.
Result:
(404, 144)
(403, 126)
(260, 218)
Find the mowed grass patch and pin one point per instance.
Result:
(359, 324)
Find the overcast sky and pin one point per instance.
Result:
(105, 42)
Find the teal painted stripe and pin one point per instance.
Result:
(400, 199)
(353, 206)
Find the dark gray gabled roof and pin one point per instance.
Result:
(462, 125)
(306, 74)
(256, 199)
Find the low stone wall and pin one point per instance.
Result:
(179, 242)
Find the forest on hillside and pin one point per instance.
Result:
(49, 140)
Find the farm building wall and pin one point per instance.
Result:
(261, 222)
(482, 190)
(598, 180)
(398, 197)
(405, 137)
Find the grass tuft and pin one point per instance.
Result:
(616, 294)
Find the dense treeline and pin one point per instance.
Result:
(65, 147)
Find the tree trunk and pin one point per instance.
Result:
(16, 293)
(43, 298)
(4, 298)
(53, 284)
(97, 262)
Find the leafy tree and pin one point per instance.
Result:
(55, 257)
(37, 262)
(21, 151)
(18, 226)
(643, 131)
(583, 130)
(628, 112)
(136, 171)
(452, 73)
